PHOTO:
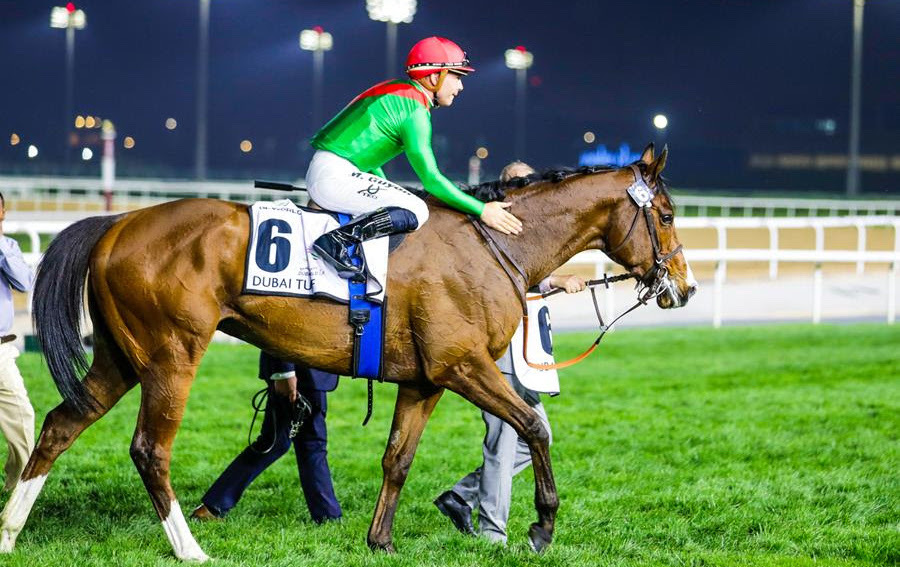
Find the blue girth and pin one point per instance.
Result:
(367, 320)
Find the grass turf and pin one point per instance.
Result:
(770, 445)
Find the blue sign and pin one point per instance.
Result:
(601, 156)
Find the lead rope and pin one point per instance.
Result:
(258, 399)
(642, 300)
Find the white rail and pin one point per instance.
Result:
(721, 255)
(770, 207)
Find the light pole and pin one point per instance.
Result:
(108, 162)
(520, 60)
(202, 89)
(69, 18)
(318, 41)
(855, 84)
(393, 12)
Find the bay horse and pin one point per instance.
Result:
(161, 280)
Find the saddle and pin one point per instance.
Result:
(280, 262)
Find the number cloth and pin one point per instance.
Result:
(279, 262)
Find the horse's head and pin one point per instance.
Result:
(641, 234)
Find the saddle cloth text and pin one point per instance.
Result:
(280, 261)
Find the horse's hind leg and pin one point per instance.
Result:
(165, 386)
(479, 380)
(106, 381)
(411, 413)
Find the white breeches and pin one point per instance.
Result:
(337, 185)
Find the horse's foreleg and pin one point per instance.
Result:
(411, 412)
(106, 384)
(480, 381)
(164, 393)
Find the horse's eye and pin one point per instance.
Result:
(667, 219)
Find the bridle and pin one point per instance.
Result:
(642, 196)
(648, 288)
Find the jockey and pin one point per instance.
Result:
(345, 173)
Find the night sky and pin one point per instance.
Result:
(734, 77)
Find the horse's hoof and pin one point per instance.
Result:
(7, 541)
(194, 557)
(538, 538)
(386, 547)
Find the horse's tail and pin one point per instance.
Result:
(58, 303)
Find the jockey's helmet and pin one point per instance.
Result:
(435, 54)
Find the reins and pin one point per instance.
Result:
(604, 328)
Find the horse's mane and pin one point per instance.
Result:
(496, 190)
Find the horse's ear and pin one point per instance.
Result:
(656, 168)
(647, 154)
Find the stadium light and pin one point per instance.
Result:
(70, 19)
(519, 60)
(392, 12)
(660, 124)
(318, 41)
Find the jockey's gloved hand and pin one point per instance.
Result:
(497, 218)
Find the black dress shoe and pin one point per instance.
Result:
(454, 507)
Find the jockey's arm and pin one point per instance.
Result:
(379, 172)
(416, 136)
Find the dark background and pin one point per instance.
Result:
(736, 78)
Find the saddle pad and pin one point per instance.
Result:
(280, 260)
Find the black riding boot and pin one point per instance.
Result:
(332, 246)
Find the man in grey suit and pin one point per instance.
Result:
(489, 487)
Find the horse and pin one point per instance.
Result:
(161, 280)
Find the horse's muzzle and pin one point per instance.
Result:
(672, 295)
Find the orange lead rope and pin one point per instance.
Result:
(642, 300)
(541, 366)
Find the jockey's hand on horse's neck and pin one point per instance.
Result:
(286, 388)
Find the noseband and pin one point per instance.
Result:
(642, 196)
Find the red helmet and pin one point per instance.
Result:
(435, 54)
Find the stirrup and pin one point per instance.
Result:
(344, 269)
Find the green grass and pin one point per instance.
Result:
(768, 445)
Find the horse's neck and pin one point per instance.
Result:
(560, 220)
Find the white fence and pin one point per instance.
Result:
(721, 255)
(787, 207)
(86, 194)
